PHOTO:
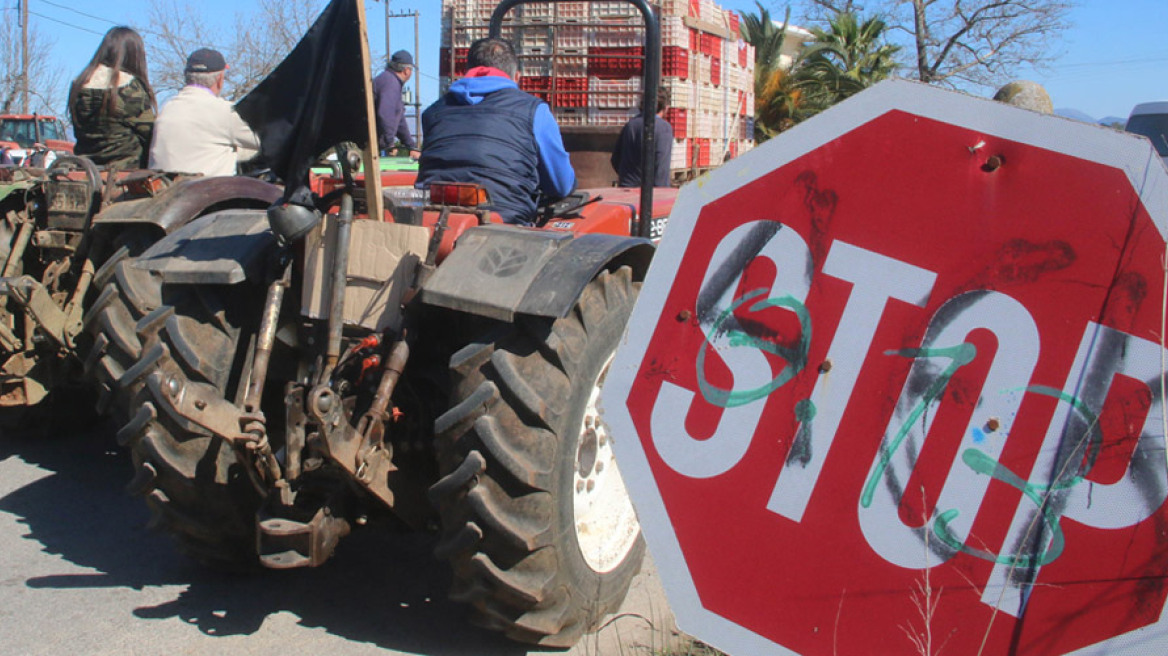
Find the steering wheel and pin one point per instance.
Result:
(66, 164)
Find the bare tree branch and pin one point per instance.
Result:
(963, 43)
(257, 40)
(45, 81)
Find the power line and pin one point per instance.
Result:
(106, 20)
(80, 13)
(61, 22)
(1123, 62)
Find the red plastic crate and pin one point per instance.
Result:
(695, 41)
(676, 116)
(695, 8)
(710, 44)
(699, 150)
(459, 62)
(733, 149)
(742, 54)
(733, 22)
(538, 86)
(675, 61)
(570, 92)
(615, 63)
(715, 71)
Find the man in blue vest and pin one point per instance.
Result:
(485, 130)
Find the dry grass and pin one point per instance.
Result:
(689, 647)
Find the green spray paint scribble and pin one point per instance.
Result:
(796, 356)
(982, 463)
(961, 355)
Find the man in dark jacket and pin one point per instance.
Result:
(387, 103)
(626, 157)
(485, 130)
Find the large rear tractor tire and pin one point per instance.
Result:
(536, 521)
(197, 486)
(123, 296)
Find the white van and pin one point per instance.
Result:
(1151, 120)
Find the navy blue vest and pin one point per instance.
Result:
(490, 143)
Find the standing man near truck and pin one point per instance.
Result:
(626, 157)
(485, 130)
(388, 105)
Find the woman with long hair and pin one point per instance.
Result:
(112, 104)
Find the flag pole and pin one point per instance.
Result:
(372, 161)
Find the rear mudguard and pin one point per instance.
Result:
(187, 199)
(500, 271)
(221, 248)
(496, 271)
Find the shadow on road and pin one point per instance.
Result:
(380, 588)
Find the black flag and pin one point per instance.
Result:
(313, 100)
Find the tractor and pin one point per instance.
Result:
(297, 378)
(62, 231)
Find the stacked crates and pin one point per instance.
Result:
(585, 59)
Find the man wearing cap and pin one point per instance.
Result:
(387, 103)
(197, 131)
(485, 130)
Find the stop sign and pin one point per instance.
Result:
(894, 386)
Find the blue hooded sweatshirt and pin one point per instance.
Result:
(485, 130)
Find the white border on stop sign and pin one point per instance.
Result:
(1103, 145)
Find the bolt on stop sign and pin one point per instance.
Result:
(895, 386)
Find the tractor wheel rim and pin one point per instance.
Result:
(606, 524)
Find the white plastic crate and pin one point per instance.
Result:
(611, 9)
(571, 117)
(674, 32)
(570, 66)
(617, 36)
(533, 36)
(535, 67)
(682, 93)
(570, 38)
(674, 7)
(712, 12)
(677, 156)
(609, 117)
(463, 37)
(571, 11)
(614, 94)
(535, 12)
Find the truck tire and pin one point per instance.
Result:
(199, 489)
(536, 521)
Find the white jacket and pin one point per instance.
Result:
(198, 132)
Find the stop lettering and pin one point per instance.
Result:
(894, 386)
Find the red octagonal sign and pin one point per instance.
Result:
(894, 386)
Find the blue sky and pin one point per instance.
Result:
(1114, 56)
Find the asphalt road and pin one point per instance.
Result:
(80, 573)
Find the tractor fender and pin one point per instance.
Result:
(503, 271)
(222, 248)
(189, 198)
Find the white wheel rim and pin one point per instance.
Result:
(606, 524)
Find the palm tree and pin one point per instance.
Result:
(774, 99)
(845, 59)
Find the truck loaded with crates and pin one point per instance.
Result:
(585, 60)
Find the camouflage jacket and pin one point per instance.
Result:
(121, 137)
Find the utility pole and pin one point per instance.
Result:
(24, 56)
